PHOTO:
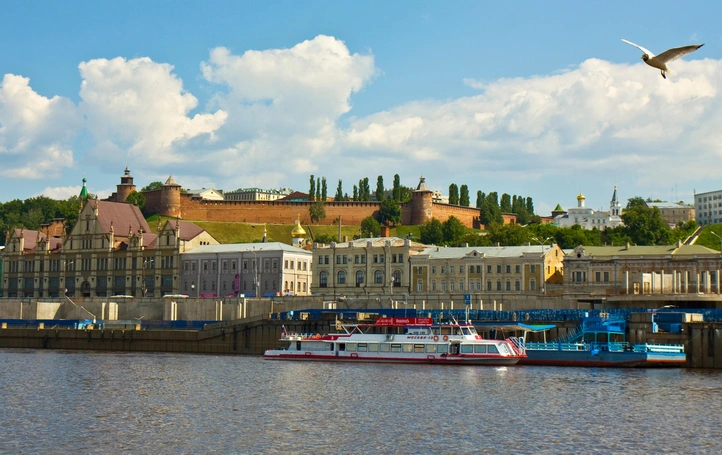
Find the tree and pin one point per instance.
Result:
(317, 211)
(324, 190)
(324, 238)
(397, 188)
(480, 197)
(370, 227)
(390, 212)
(432, 232)
(508, 235)
(355, 193)
(464, 196)
(505, 203)
(453, 230)
(312, 189)
(339, 192)
(644, 225)
(136, 199)
(379, 188)
(152, 186)
(453, 194)
(490, 212)
(317, 196)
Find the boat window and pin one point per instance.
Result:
(467, 348)
(362, 347)
(395, 347)
(480, 348)
(430, 348)
(466, 331)
(418, 348)
(351, 347)
(492, 349)
(373, 347)
(442, 348)
(446, 330)
(342, 346)
(407, 347)
(472, 330)
(384, 347)
(435, 330)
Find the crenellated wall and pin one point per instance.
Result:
(351, 213)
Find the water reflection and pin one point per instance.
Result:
(91, 402)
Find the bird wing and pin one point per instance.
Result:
(677, 52)
(646, 51)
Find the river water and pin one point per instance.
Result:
(91, 402)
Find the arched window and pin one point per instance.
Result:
(359, 278)
(397, 278)
(323, 279)
(341, 277)
(379, 277)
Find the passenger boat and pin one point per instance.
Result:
(602, 343)
(401, 340)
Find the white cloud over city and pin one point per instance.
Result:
(277, 115)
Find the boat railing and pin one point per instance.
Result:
(567, 337)
(672, 348)
(555, 346)
(518, 345)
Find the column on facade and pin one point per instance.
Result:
(626, 282)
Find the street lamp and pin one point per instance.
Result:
(543, 273)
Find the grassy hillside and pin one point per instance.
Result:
(249, 233)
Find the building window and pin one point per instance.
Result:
(533, 268)
(498, 285)
(517, 286)
(419, 285)
(598, 277)
(517, 268)
(341, 277)
(606, 277)
(323, 279)
(359, 278)
(433, 270)
(498, 269)
(378, 277)
(508, 269)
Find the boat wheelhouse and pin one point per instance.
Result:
(401, 340)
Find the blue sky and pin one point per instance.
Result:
(532, 98)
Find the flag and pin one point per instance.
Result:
(283, 331)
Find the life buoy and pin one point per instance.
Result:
(436, 337)
(446, 338)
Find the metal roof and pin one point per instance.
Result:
(488, 251)
(247, 247)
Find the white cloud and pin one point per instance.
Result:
(598, 121)
(137, 108)
(35, 132)
(283, 107)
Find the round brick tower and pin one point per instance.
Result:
(170, 198)
(125, 187)
(421, 203)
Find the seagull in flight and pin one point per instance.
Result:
(660, 61)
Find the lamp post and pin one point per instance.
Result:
(543, 273)
(193, 288)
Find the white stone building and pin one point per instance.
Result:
(588, 218)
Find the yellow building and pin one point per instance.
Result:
(474, 270)
(363, 266)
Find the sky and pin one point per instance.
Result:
(539, 99)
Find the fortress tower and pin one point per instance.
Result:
(421, 203)
(170, 198)
(124, 188)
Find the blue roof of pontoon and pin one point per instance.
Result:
(513, 326)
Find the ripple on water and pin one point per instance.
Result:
(89, 402)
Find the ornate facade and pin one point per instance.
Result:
(110, 251)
